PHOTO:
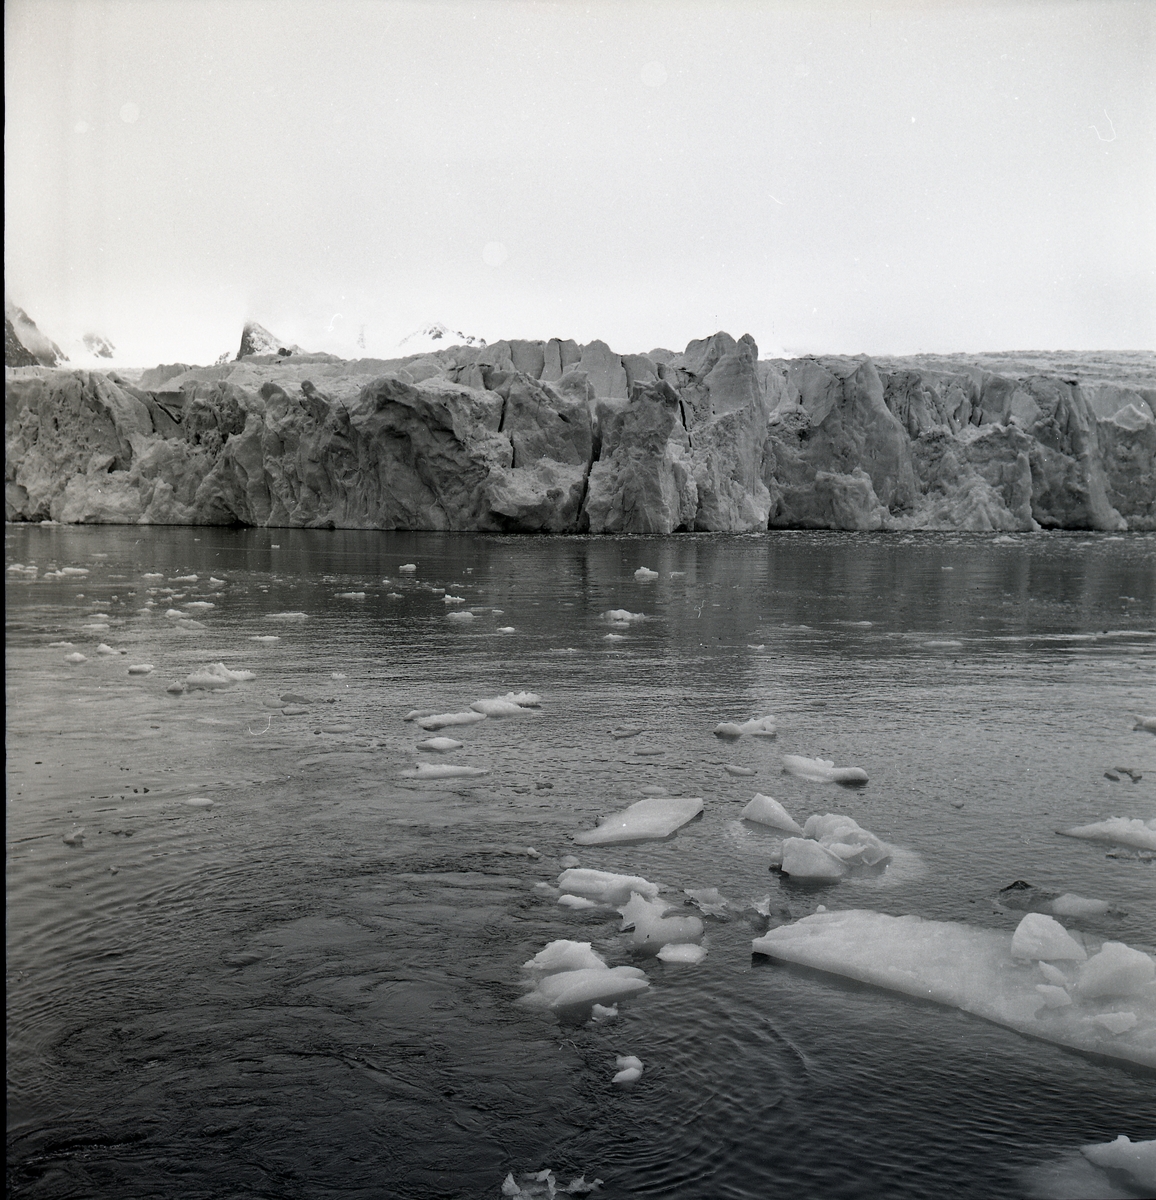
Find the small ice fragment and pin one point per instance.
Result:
(199, 802)
(1054, 996)
(1116, 970)
(652, 928)
(152, 575)
(200, 605)
(644, 573)
(626, 731)
(765, 810)
(1071, 905)
(497, 707)
(576, 902)
(351, 595)
(294, 710)
(822, 770)
(564, 955)
(1146, 723)
(466, 615)
(98, 628)
(682, 952)
(215, 581)
(75, 657)
(216, 676)
(175, 689)
(1052, 974)
(629, 1068)
(614, 637)
(441, 720)
(506, 629)
(806, 859)
(524, 699)
(182, 579)
(1116, 1022)
(60, 645)
(408, 567)
(286, 616)
(616, 615)
(448, 599)
(1042, 937)
(74, 838)
(730, 769)
(708, 901)
(73, 571)
(141, 669)
(583, 988)
(103, 649)
(604, 886)
(338, 675)
(654, 817)
(414, 713)
(439, 744)
(445, 771)
(337, 728)
(601, 1012)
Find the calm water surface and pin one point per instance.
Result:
(307, 991)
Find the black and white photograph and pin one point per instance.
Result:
(580, 594)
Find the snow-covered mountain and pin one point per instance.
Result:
(436, 336)
(256, 339)
(24, 344)
(98, 345)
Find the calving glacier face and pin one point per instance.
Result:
(551, 436)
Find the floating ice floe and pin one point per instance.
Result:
(682, 952)
(75, 837)
(524, 699)
(216, 676)
(629, 1068)
(448, 599)
(1146, 723)
(445, 771)
(200, 605)
(103, 649)
(182, 579)
(286, 616)
(644, 820)
(731, 769)
(217, 582)
(464, 615)
(60, 645)
(497, 706)
(614, 637)
(266, 638)
(506, 629)
(572, 977)
(1113, 1009)
(821, 770)
(350, 595)
(541, 1185)
(652, 928)
(98, 628)
(152, 575)
(141, 669)
(830, 848)
(442, 720)
(1040, 937)
(1123, 831)
(1120, 1169)
(605, 887)
(75, 657)
(644, 574)
(765, 810)
(408, 568)
(576, 902)
(758, 726)
(621, 616)
(199, 802)
(1071, 905)
(73, 571)
(708, 901)
(439, 744)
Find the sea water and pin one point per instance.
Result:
(308, 988)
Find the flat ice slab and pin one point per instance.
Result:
(972, 969)
(654, 817)
(1122, 831)
(822, 770)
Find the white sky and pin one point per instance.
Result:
(830, 177)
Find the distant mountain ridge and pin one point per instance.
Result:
(24, 344)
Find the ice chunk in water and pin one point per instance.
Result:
(822, 770)
(74, 837)
(1039, 936)
(629, 1068)
(460, 616)
(708, 901)
(141, 669)
(576, 902)
(215, 676)
(807, 859)
(408, 568)
(585, 987)
(682, 952)
(564, 955)
(1071, 905)
(644, 820)
(441, 720)
(618, 616)
(439, 744)
(759, 726)
(652, 928)
(445, 771)
(731, 769)
(524, 699)
(847, 840)
(1146, 723)
(103, 649)
(348, 596)
(1123, 831)
(1117, 970)
(960, 965)
(767, 811)
(497, 707)
(645, 573)
(286, 616)
(1137, 1160)
(75, 657)
(199, 802)
(604, 886)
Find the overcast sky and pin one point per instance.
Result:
(830, 177)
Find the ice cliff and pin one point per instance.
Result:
(552, 436)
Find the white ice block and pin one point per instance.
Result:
(654, 817)
(960, 965)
